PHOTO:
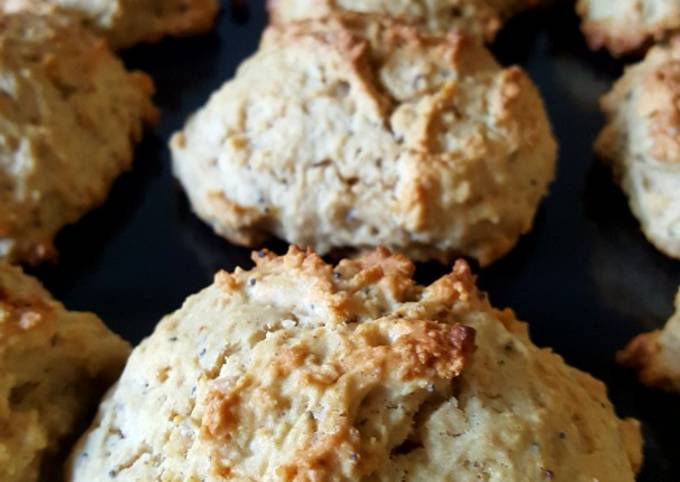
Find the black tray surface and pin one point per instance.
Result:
(585, 278)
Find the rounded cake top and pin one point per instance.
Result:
(627, 26)
(125, 23)
(54, 366)
(360, 131)
(481, 18)
(69, 115)
(297, 370)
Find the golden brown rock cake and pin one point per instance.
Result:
(298, 371)
(360, 131)
(54, 365)
(481, 18)
(128, 22)
(627, 26)
(655, 356)
(641, 143)
(70, 115)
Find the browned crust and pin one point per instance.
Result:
(654, 84)
(198, 17)
(618, 43)
(194, 17)
(24, 311)
(434, 346)
(618, 37)
(324, 398)
(489, 17)
(425, 351)
(135, 21)
(639, 355)
(665, 117)
(653, 356)
(66, 41)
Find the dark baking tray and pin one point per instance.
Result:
(585, 278)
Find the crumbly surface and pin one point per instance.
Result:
(54, 365)
(655, 356)
(359, 132)
(640, 141)
(477, 17)
(626, 26)
(300, 371)
(69, 117)
(128, 22)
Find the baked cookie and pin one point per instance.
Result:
(128, 22)
(360, 131)
(640, 141)
(298, 370)
(54, 365)
(655, 356)
(626, 26)
(69, 117)
(477, 17)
